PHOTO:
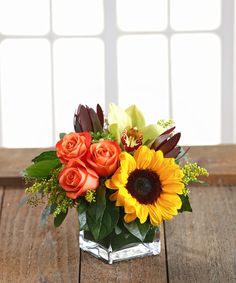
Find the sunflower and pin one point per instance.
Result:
(147, 184)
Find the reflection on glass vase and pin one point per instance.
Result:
(119, 247)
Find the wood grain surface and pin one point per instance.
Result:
(201, 246)
(1, 201)
(30, 252)
(148, 269)
(196, 247)
(220, 160)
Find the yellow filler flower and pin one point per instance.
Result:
(147, 184)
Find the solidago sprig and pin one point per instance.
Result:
(191, 173)
(55, 195)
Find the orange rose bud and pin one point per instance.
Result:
(103, 157)
(73, 145)
(76, 179)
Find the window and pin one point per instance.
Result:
(173, 58)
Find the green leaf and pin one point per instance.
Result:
(151, 234)
(185, 204)
(60, 218)
(47, 155)
(61, 135)
(137, 229)
(123, 239)
(102, 216)
(42, 168)
(82, 208)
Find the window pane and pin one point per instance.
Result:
(142, 15)
(25, 90)
(24, 17)
(196, 75)
(143, 74)
(77, 17)
(79, 78)
(195, 14)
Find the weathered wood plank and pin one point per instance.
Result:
(148, 269)
(220, 160)
(201, 246)
(14, 161)
(30, 252)
(1, 201)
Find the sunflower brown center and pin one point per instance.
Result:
(144, 185)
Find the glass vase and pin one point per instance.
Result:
(104, 251)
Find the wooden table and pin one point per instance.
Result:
(196, 247)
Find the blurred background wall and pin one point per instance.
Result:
(173, 58)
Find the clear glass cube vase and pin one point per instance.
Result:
(104, 250)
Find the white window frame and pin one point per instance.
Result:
(110, 35)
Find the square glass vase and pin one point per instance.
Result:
(126, 252)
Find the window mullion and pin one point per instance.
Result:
(110, 41)
(51, 40)
(1, 122)
(227, 106)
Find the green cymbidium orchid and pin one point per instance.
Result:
(120, 120)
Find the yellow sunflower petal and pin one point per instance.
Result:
(173, 188)
(166, 215)
(157, 160)
(127, 162)
(119, 179)
(109, 184)
(172, 200)
(113, 197)
(129, 209)
(129, 200)
(130, 217)
(142, 212)
(173, 172)
(143, 156)
(155, 216)
(170, 209)
(120, 200)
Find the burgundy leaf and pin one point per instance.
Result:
(174, 152)
(77, 124)
(162, 139)
(168, 131)
(170, 144)
(84, 119)
(95, 121)
(100, 115)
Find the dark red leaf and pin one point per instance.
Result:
(162, 139)
(95, 121)
(84, 119)
(170, 144)
(100, 115)
(77, 124)
(174, 152)
(168, 131)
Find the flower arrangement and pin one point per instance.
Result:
(123, 176)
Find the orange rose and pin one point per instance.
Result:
(73, 145)
(76, 179)
(103, 157)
